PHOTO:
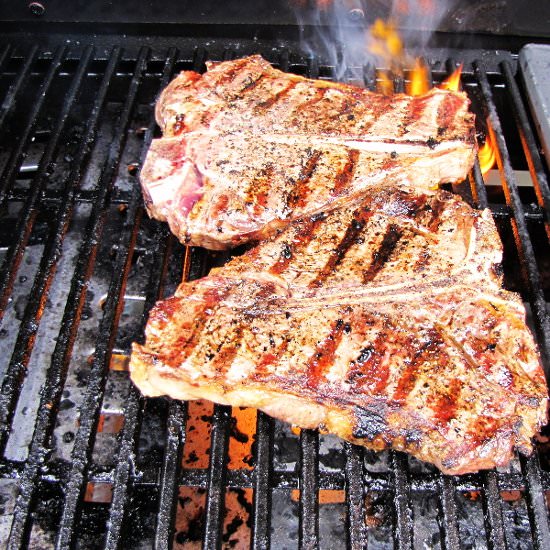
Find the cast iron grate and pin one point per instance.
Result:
(74, 127)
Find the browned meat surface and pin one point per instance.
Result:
(248, 148)
(383, 322)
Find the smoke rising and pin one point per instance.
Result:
(341, 32)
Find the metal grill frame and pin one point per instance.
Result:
(354, 479)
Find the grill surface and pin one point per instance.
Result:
(85, 461)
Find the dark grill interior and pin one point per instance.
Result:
(86, 462)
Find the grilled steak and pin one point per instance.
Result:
(383, 322)
(248, 148)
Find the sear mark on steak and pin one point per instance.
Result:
(370, 421)
(438, 362)
(278, 147)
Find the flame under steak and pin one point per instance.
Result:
(248, 148)
(382, 321)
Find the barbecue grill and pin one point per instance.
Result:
(85, 461)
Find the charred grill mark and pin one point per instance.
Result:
(345, 111)
(324, 355)
(482, 426)
(250, 83)
(437, 208)
(414, 205)
(417, 106)
(344, 177)
(227, 352)
(301, 239)
(383, 254)
(447, 112)
(300, 191)
(211, 299)
(319, 95)
(278, 96)
(445, 408)
(258, 190)
(282, 264)
(354, 229)
(369, 370)
(231, 72)
(270, 358)
(430, 347)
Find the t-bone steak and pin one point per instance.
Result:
(382, 321)
(247, 148)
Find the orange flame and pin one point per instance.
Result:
(384, 83)
(452, 83)
(386, 41)
(419, 79)
(487, 155)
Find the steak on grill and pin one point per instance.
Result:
(248, 148)
(383, 322)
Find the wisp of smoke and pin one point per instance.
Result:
(338, 31)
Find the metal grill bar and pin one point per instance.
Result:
(521, 233)
(20, 151)
(4, 55)
(355, 498)
(309, 490)
(175, 440)
(126, 456)
(528, 142)
(529, 264)
(449, 518)
(477, 185)
(11, 384)
(262, 482)
(9, 100)
(89, 411)
(493, 513)
(56, 375)
(536, 502)
(132, 410)
(215, 506)
(404, 537)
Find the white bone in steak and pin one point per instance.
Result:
(248, 148)
(382, 321)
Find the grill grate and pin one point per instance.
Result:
(57, 189)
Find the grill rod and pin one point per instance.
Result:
(9, 101)
(528, 142)
(13, 378)
(25, 223)
(89, 411)
(263, 482)
(57, 372)
(126, 456)
(355, 499)
(526, 254)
